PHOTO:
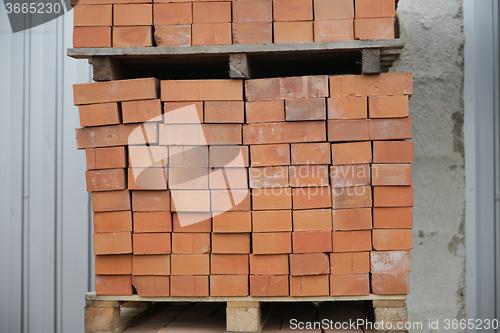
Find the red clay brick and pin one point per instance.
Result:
(211, 34)
(229, 285)
(391, 174)
(172, 35)
(317, 285)
(228, 178)
(309, 264)
(333, 30)
(110, 201)
(113, 284)
(399, 83)
(351, 153)
(113, 222)
(374, 28)
(350, 263)
(190, 243)
(393, 218)
(252, 33)
(293, 10)
(115, 91)
(272, 243)
(269, 264)
(268, 177)
(231, 243)
(132, 14)
(352, 241)
(348, 130)
(392, 196)
(269, 285)
(90, 158)
(229, 156)
(212, 12)
(113, 243)
(147, 179)
(92, 16)
(133, 36)
(224, 112)
(110, 158)
(120, 135)
(229, 264)
(194, 286)
(263, 133)
(141, 111)
(311, 153)
(150, 201)
(158, 264)
(392, 239)
(106, 180)
(304, 131)
(304, 87)
(352, 197)
(263, 90)
(269, 199)
(312, 241)
(393, 152)
(374, 8)
(352, 219)
(188, 179)
(265, 111)
(312, 220)
(293, 32)
(140, 156)
(349, 284)
(201, 90)
(305, 109)
(272, 220)
(388, 106)
(152, 243)
(190, 201)
(190, 264)
(391, 283)
(151, 286)
(312, 197)
(333, 10)
(180, 117)
(252, 11)
(347, 108)
(350, 175)
(343, 86)
(232, 222)
(192, 222)
(223, 202)
(309, 175)
(92, 37)
(270, 155)
(188, 157)
(390, 261)
(172, 13)
(119, 264)
(152, 222)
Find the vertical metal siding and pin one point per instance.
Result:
(45, 254)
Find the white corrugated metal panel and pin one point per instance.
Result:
(45, 254)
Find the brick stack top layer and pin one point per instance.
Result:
(296, 186)
(143, 23)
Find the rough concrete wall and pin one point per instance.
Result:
(433, 33)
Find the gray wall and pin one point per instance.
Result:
(432, 30)
(44, 207)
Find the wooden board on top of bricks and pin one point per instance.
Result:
(143, 23)
(293, 186)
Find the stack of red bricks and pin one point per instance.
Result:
(143, 23)
(316, 200)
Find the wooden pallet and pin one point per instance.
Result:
(106, 314)
(242, 61)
